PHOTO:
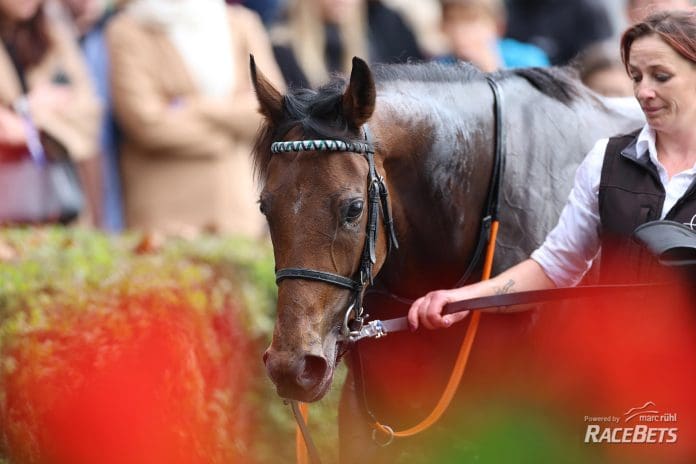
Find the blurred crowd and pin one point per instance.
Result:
(153, 102)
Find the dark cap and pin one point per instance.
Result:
(673, 243)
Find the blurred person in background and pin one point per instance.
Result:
(80, 16)
(88, 19)
(187, 113)
(601, 70)
(319, 37)
(390, 38)
(267, 9)
(475, 30)
(637, 10)
(562, 28)
(42, 70)
(423, 18)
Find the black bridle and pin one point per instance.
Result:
(377, 196)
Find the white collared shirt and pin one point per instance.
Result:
(569, 249)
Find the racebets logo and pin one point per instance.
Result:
(644, 424)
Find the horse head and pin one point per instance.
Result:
(321, 195)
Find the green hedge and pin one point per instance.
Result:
(75, 303)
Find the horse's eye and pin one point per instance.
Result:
(354, 211)
(262, 207)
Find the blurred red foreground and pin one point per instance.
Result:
(536, 380)
(152, 382)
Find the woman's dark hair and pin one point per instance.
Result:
(28, 41)
(676, 28)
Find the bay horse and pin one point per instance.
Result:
(432, 129)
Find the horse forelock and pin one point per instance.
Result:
(316, 113)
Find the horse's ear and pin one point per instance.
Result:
(359, 98)
(270, 100)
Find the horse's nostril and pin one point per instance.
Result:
(312, 371)
(296, 376)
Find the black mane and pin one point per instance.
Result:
(558, 83)
(318, 113)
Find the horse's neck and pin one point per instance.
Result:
(546, 140)
(437, 156)
(576, 125)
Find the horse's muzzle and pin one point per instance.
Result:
(302, 377)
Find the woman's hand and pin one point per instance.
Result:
(427, 310)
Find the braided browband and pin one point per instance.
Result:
(321, 145)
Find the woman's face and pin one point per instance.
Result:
(664, 83)
(19, 10)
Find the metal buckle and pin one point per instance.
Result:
(373, 329)
(364, 278)
(346, 331)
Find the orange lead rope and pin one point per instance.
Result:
(465, 350)
(300, 447)
(459, 365)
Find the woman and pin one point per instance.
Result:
(184, 102)
(41, 70)
(623, 182)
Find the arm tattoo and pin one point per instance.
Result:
(507, 288)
